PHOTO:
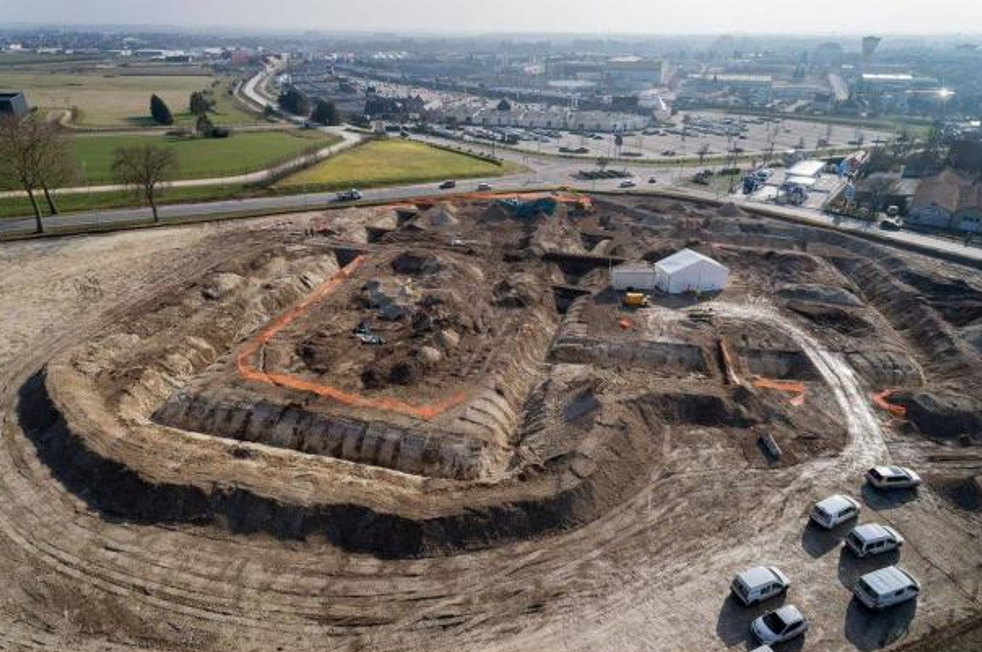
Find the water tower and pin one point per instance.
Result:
(870, 43)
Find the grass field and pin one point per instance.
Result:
(198, 158)
(393, 162)
(202, 157)
(108, 100)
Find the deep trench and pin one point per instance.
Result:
(120, 495)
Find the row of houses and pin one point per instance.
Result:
(949, 200)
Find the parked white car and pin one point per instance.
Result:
(779, 625)
(886, 587)
(872, 539)
(759, 584)
(627, 183)
(892, 477)
(834, 510)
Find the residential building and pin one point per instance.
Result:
(949, 200)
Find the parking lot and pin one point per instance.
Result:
(709, 134)
(826, 185)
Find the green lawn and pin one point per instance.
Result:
(118, 100)
(393, 162)
(198, 158)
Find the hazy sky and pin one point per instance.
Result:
(590, 16)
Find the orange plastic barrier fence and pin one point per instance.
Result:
(248, 371)
(881, 401)
(788, 386)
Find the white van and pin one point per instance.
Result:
(834, 510)
(758, 584)
(886, 587)
(872, 539)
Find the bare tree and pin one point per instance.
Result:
(144, 168)
(21, 158)
(878, 188)
(703, 151)
(58, 166)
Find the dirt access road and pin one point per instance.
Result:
(650, 575)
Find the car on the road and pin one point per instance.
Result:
(448, 184)
(872, 539)
(652, 179)
(668, 152)
(759, 584)
(627, 183)
(834, 510)
(891, 224)
(483, 187)
(886, 587)
(349, 195)
(892, 477)
(779, 625)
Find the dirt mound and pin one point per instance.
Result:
(518, 291)
(415, 263)
(730, 209)
(943, 413)
(813, 293)
(441, 216)
(836, 318)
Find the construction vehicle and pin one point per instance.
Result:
(363, 332)
(528, 209)
(635, 299)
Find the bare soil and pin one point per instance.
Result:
(595, 486)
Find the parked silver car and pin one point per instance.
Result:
(779, 625)
(892, 477)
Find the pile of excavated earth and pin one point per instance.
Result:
(437, 426)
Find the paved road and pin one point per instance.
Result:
(541, 172)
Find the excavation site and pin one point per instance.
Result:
(468, 424)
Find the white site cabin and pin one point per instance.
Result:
(683, 271)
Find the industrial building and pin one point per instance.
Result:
(633, 73)
(753, 89)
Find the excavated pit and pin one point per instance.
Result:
(459, 377)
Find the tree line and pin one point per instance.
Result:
(322, 111)
(37, 157)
